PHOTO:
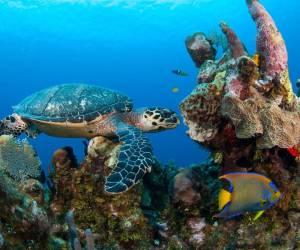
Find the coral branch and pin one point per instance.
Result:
(272, 51)
(235, 45)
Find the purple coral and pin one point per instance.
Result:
(234, 44)
(272, 51)
(270, 44)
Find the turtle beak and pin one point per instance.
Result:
(166, 118)
(158, 119)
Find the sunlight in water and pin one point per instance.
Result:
(29, 4)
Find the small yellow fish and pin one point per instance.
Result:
(255, 58)
(175, 90)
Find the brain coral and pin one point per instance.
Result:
(18, 159)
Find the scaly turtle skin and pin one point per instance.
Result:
(87, 111)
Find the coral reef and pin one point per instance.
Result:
(172, 209)
(62, 177)
(196, 226)
(235, 46)
(272, 51)
(233, 91)
(200, 48)
(73, 235)
(242, 110)
(185, 188)
(24, 222)
(81, 189)
(251, 123)
(271, 125)
(201, 109)
(18, 159)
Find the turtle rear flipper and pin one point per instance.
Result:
(134, 161)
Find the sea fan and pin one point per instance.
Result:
(18, 159)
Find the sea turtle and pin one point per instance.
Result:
(87, 111)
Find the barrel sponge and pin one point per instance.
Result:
(18, 159)
(200, 48)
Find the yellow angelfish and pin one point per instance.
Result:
(246, 192)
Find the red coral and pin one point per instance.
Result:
(235, 45)
(293, 151)
(229, 132)
(237, 87)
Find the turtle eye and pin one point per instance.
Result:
(12, 119)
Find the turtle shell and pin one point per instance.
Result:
(73, 103)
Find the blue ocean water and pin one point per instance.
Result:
(127, 45)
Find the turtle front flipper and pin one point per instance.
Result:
(134, 161)
(32, 131)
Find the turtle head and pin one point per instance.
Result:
(157, 119)
(12, 125)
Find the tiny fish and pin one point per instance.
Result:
(255, 58)
(179, 72)
(246, 192)
(175, 90)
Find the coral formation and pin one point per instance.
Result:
(24, 222)
(234, 44)
(185, 188)
(242, 110)
(200, 48)
(73, 234)
(240, 98)
(201, 109)
(271, 125)
(18, 158)
(254, 126)
(93, 208)
(272, 51)
(196, 225)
